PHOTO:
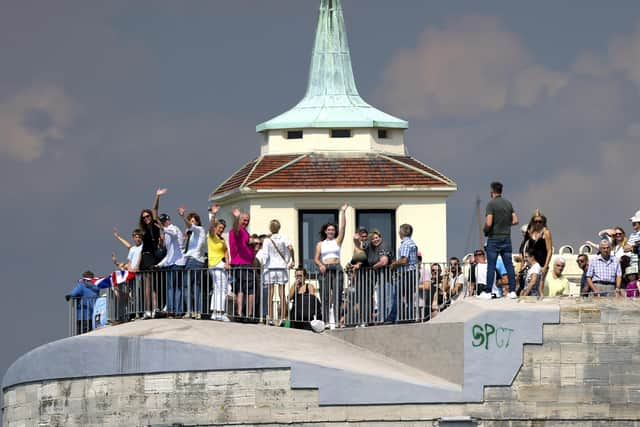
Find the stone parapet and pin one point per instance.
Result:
(586, 372)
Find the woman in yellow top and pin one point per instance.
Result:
(556, 284)
(218, 265)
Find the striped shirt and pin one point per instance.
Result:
(604, 270)
(408, 250)
(634, 238)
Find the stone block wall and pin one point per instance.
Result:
(586, 373)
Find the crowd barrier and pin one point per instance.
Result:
(340, 297)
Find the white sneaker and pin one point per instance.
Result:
(224, 318)
(513, 295)
(484, 295)
(147, 315)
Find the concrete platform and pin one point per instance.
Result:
(449, 359)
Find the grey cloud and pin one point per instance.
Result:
(584, 198)
(31, 118)
(527, 147)
(470, 66)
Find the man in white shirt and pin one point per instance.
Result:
(194, 250)
(133, 264)
(478, 279)
(173, 264)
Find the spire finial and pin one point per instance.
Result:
(332, 98)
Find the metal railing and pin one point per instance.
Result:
(340, 297)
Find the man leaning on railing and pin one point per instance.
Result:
(84, 295)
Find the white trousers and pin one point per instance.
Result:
(219, 281)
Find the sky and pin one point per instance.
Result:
(102, 102)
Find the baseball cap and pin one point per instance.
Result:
(362, 229)
(164, 217)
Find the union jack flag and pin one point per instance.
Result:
(114, 279)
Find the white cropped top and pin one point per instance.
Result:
(329, 249)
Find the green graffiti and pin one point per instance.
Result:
(484, 335)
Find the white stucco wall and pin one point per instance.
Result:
(314, 140)
(429, 220)
(426, 212)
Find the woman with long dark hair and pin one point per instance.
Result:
(538, 240)
(327, 259)
(152, 251)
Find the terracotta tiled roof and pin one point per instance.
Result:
(316, 171)
(254, 169)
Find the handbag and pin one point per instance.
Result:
(278, 250)
(160, 251)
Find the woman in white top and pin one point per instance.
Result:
(532, 281)
(618, 241)
(327, 259)
(277, 259)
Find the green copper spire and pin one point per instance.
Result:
(332, 99)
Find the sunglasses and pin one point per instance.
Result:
(479, 254)
(146, 216)
(580, 261)
(538, 221)
(618, 234)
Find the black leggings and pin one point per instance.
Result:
(332, 286)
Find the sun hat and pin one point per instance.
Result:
(636, 217)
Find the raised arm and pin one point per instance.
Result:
(357, 243)
(181, 210)
(121, 239)
(156, 201)
(343, 223)
(236, 220)
(514, 219)
(213, 210)
(605, 232)
(120, 265)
